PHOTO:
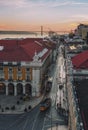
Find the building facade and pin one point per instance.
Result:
(82, 30)
(23, 66)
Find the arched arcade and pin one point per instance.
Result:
(2, 88)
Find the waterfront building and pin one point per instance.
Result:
(24, 64)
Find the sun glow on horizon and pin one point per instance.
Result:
(30, 15)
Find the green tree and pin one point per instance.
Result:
(71, 35)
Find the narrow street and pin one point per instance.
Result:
(53, 118)
(35, 119)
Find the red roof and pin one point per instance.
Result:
(21, 50)
(81, 60)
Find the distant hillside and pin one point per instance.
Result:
(16, 32)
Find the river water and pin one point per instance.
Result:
(7, 36)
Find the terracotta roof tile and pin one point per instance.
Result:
(21, 50)
(81, 60)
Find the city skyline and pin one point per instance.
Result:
(30, 15)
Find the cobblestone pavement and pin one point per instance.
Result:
(7, 104)
(59, 127)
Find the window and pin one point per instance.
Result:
(19, 69)
(10, 64)
(1, 73)
(27, 69)
(10, 69)
(1, 68)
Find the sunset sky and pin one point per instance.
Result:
(57, 15)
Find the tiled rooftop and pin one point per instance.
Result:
(21, 50)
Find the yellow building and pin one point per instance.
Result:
(23, 66)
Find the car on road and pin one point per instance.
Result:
(49, 84)
(45, 104)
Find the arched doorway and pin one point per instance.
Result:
(28, 89)
(11, 89)
(2, 88)
(19, 89)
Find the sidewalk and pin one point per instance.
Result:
(7, 104)
(59, 127)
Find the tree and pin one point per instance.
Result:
(71, 35)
